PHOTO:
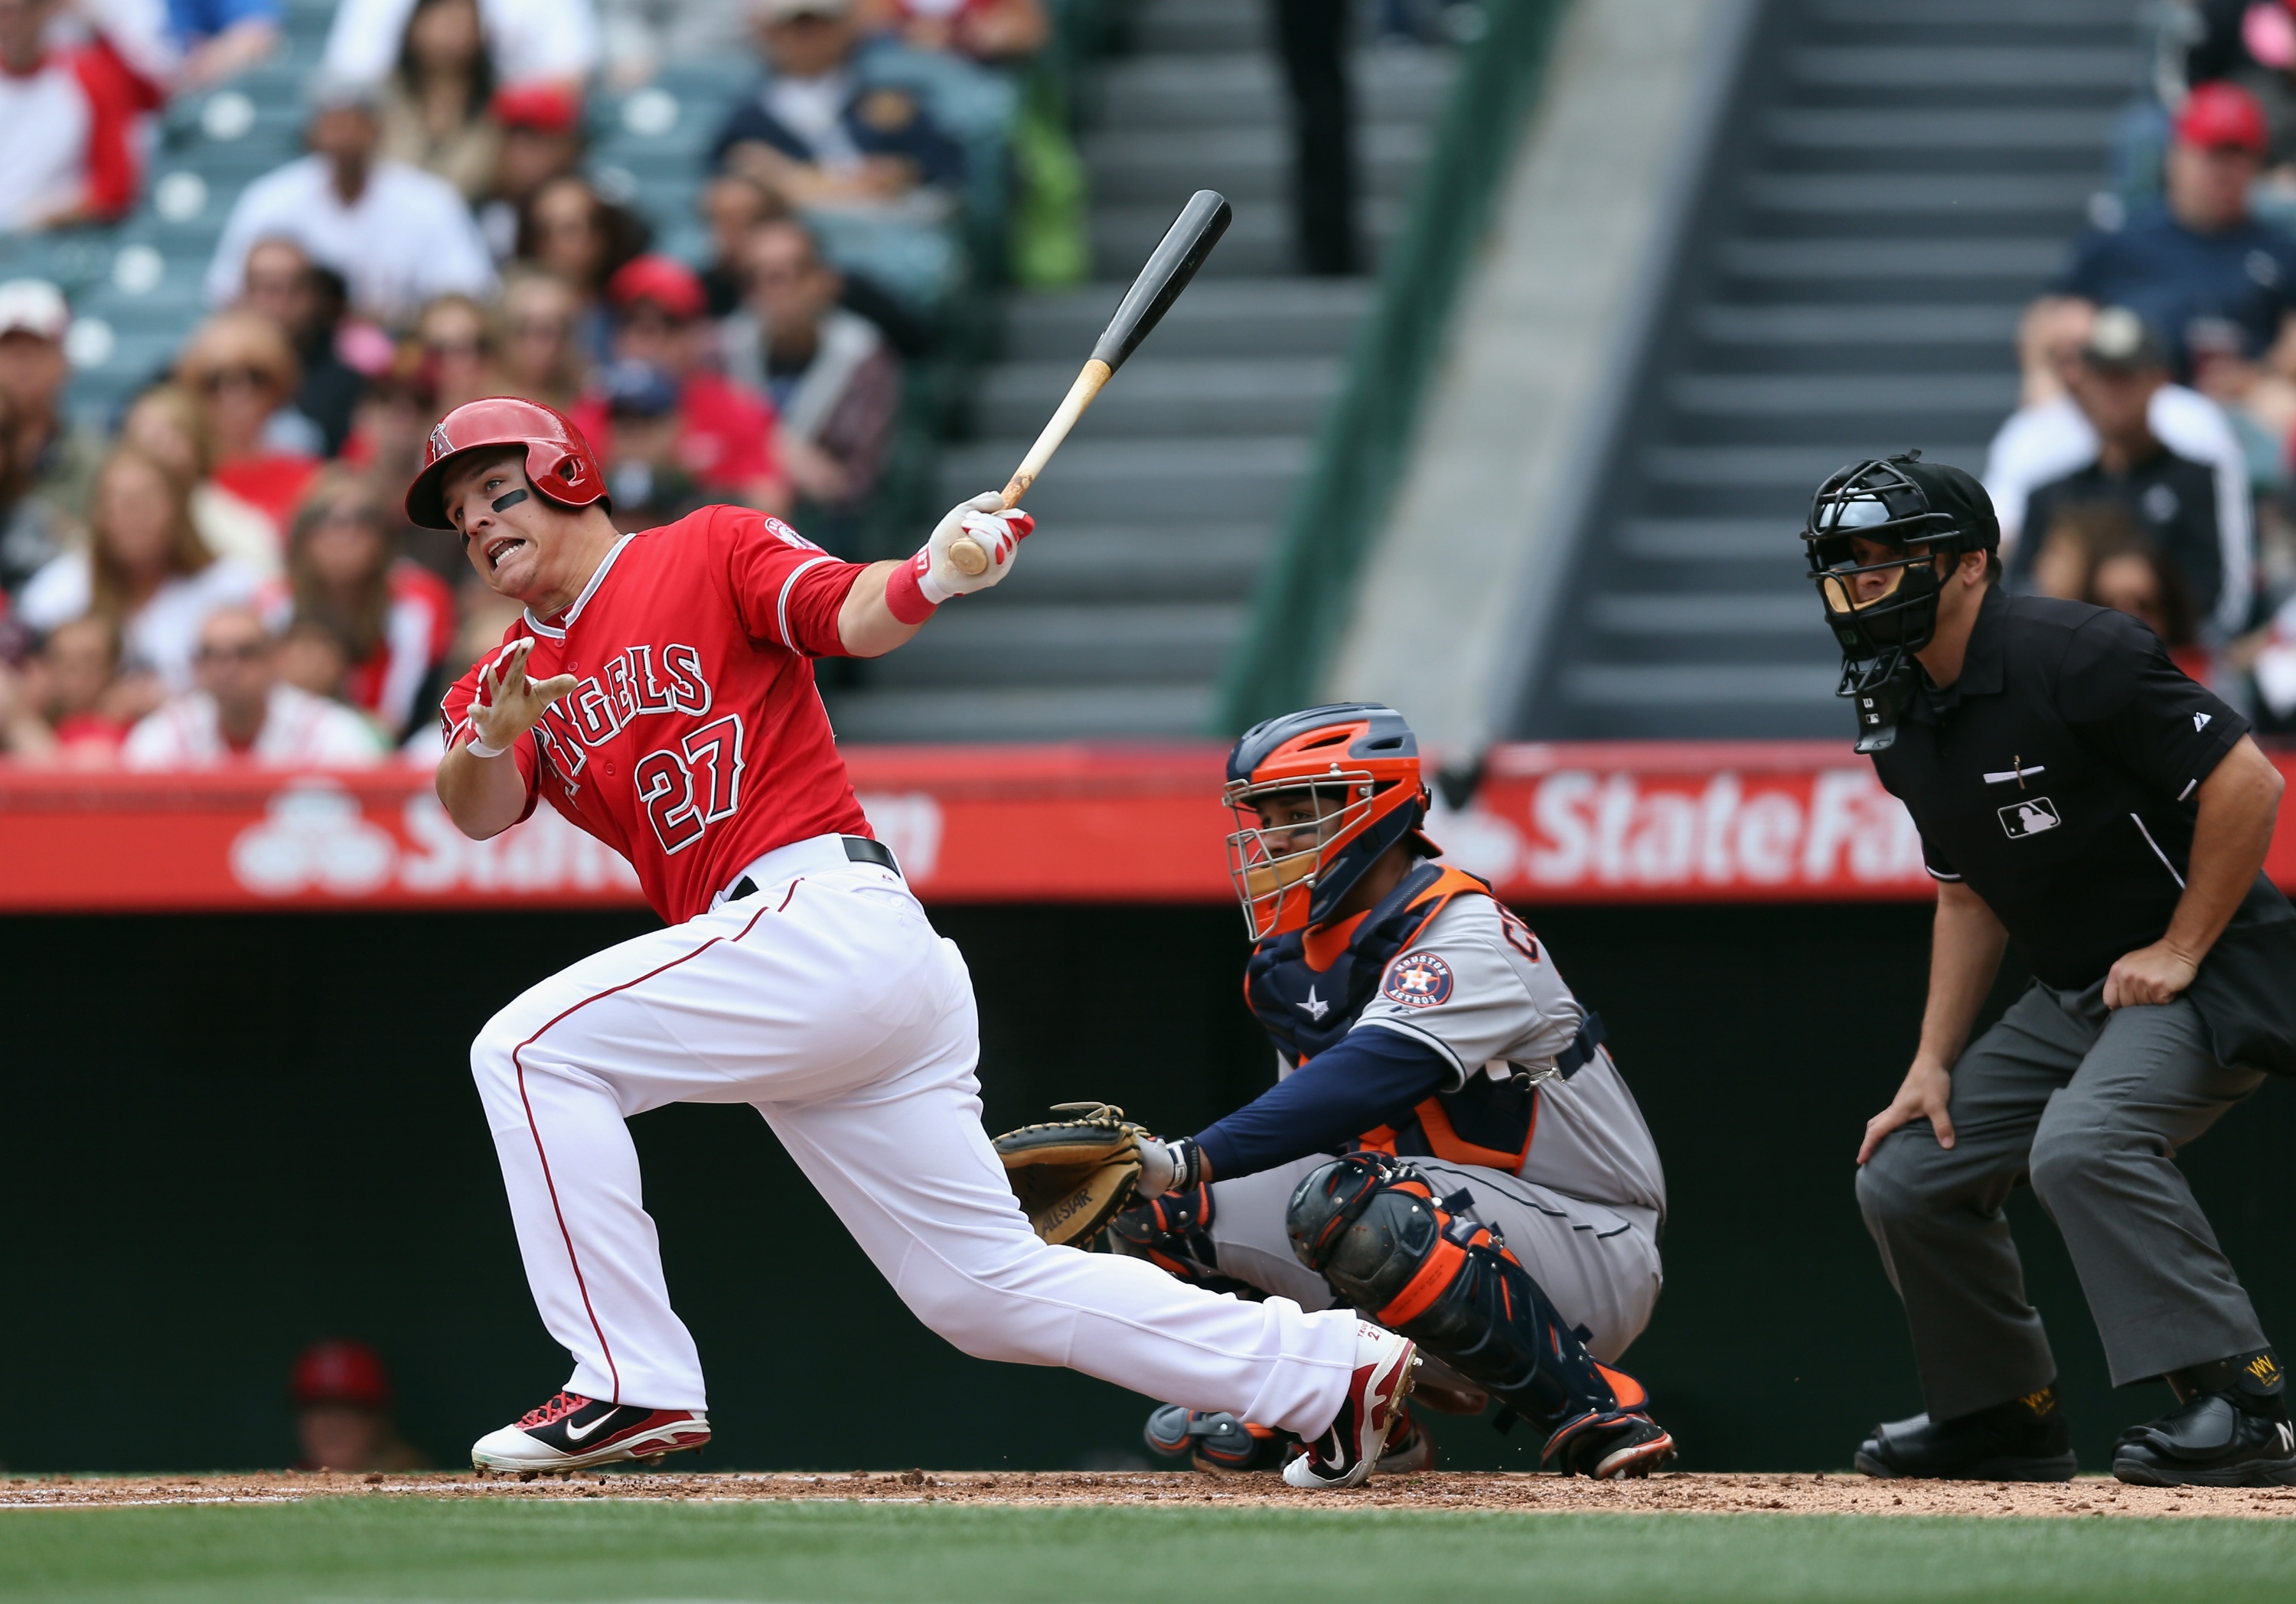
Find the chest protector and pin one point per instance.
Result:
(1307, 987)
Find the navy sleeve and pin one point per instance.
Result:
(2085, 274)
(749, 121)
(1334, 1098)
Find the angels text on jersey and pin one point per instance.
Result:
(683, 786)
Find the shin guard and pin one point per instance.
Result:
(1374, 1229)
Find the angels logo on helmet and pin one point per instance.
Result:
(559, 462)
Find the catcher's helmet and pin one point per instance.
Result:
(1361, 761)
(559, 462)
(1883, 610)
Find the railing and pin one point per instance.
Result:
(1301, 604)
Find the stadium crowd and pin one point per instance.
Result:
(218, 568)
(222, 570)
(2148, 467)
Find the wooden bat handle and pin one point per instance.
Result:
(965, 552)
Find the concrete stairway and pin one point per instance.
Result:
(1895, 183)
(1155, 519)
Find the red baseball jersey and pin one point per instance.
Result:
(694, 741)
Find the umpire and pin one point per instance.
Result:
(2075, 794)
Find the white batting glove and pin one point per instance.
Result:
(995, 531)
(509, 704)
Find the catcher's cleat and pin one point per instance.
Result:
(1215, 1440)
(1409, 1449)
(1344, 1455)
(1608, 1447)
(1372, 1226)
(2025, 1439)
(2229, 1430)
(571, 1432)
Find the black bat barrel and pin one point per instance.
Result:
(1173, 263)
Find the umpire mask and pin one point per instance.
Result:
(1873, 535)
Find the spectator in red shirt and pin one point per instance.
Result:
(395, 619)
(67, 122)
(719, 436)
(241, 363)
(63, 709)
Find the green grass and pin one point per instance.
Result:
(377, 1549)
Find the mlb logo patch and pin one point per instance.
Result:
(1417, 980)
(2029, 818)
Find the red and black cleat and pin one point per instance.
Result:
(1351, 1447)
(571, 1432)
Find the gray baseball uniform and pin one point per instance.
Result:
(1584, 1207)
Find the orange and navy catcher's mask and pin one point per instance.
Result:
(1358, 764)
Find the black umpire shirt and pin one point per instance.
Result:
(2057, 777)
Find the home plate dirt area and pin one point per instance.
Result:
(1817, 1494)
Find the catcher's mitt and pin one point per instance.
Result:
(1072, 1174)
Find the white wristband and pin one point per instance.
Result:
(479, 749)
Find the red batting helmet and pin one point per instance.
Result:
(559, 462)
(337, 1372)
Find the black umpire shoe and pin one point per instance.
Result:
(2230, 1429)
(2025, 1439)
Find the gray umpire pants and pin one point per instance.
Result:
(1599, 1264)
(2091, 1106)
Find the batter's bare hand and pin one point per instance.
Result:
(2155, 974)
(509, 704)
(1928, 1089)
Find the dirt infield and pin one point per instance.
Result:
(1675, 1495)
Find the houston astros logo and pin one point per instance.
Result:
(1418, 980)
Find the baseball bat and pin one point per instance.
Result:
(1170, 266)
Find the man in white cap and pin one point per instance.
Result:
(397, 234)
(56, 457)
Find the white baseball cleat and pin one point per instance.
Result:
(1344, 1454)
(571, 1432)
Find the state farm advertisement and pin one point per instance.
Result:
(1550, 824)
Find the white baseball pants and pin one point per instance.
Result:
(827, 1002)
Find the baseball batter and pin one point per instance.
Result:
(1501, 1199)
(659, 693)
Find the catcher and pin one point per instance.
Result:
(1496, 1199)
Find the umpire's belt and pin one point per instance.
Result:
(787, 862)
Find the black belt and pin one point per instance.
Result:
(860, 850)
(1581, 1050)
